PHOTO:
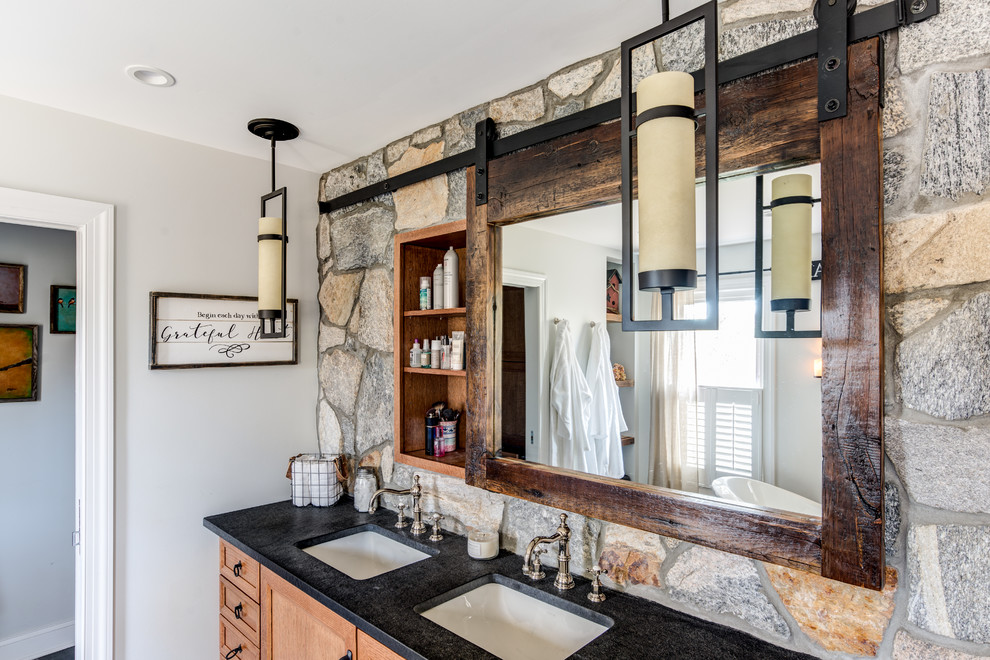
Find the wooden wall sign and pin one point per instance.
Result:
(190, 330)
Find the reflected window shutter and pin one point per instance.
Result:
(734, 432)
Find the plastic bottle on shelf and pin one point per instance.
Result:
(435, 354)
(450, 279)
(438, 287)
(426, 354)
(416, 355)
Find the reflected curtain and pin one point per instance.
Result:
(674, 423)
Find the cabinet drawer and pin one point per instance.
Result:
(231, 639)
(242, 571)
(241, 611)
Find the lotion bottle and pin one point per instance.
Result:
(450, 284)
(438, 287)
(417, 355)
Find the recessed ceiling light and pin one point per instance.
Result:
(150, 75)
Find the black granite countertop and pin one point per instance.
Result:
(383, 606)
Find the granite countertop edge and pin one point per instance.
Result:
(382, 606)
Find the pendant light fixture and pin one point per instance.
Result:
(665, 133)
(272, 239)
(790, 252)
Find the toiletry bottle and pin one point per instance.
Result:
(425, 293)
(450, 283)
(435, 354)
(432, 424)
(416, 354)
(425, 357)
(438, 287)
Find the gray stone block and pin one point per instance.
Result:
(958, 32)
(941, 466)
(346, 178)
(714, 581)
(907, 647)
(738, 41)
(950, 579)
(375, 325)
(957, 143)
(891, 518)
(374, 406)
(894, 174)
(944, 370)
(330, 336)
(340, 375)
(361, 240)
(328, 428)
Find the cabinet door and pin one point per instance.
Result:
(296, 627)
(372, 649)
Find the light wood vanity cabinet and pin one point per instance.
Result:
(281, 622)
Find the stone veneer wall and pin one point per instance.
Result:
(937, 281)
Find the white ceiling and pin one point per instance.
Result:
(353, 76)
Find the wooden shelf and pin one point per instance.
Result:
(417, 253)
(456, 373)
(613, 318)
(450, 464)
(625, 383)
(628, 440)
(453, 311)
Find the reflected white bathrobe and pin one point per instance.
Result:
(605, 422)
(570, 407)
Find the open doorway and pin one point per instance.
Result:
(37, 444)
(93, 226)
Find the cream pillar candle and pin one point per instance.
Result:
(270, 265)
(790, 271)
(665, 158)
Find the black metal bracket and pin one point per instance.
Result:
(833, 65)
(484, 141)
(870, 23)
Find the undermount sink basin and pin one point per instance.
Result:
(365, 552)
(515, 621)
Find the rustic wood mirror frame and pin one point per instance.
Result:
(767, 122)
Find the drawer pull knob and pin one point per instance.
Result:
(238, 610)
(237, 569)
(349, 656)
(233, 653)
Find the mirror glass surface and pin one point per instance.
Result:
(720, 413)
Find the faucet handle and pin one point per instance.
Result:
(402, 522)
(436, 535)
(596, 595)
(535, 569)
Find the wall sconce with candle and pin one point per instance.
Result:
(818, 368)
(791, 265)
(665, 134)
(272, 239)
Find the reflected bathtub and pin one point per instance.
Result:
(751, 491)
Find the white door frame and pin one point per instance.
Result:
(537, 281)
(93, 224)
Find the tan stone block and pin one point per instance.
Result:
(910, 315)
(337, 295)
(746, 9)
(838, 617)
(528, 106)
(632, 556)
(942, 249)
(425, 203)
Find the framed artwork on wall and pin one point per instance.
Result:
(12, 288)
(192, 330)
(63, 309)
(20, 361)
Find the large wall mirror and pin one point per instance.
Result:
(722, 413)
(729, 440)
